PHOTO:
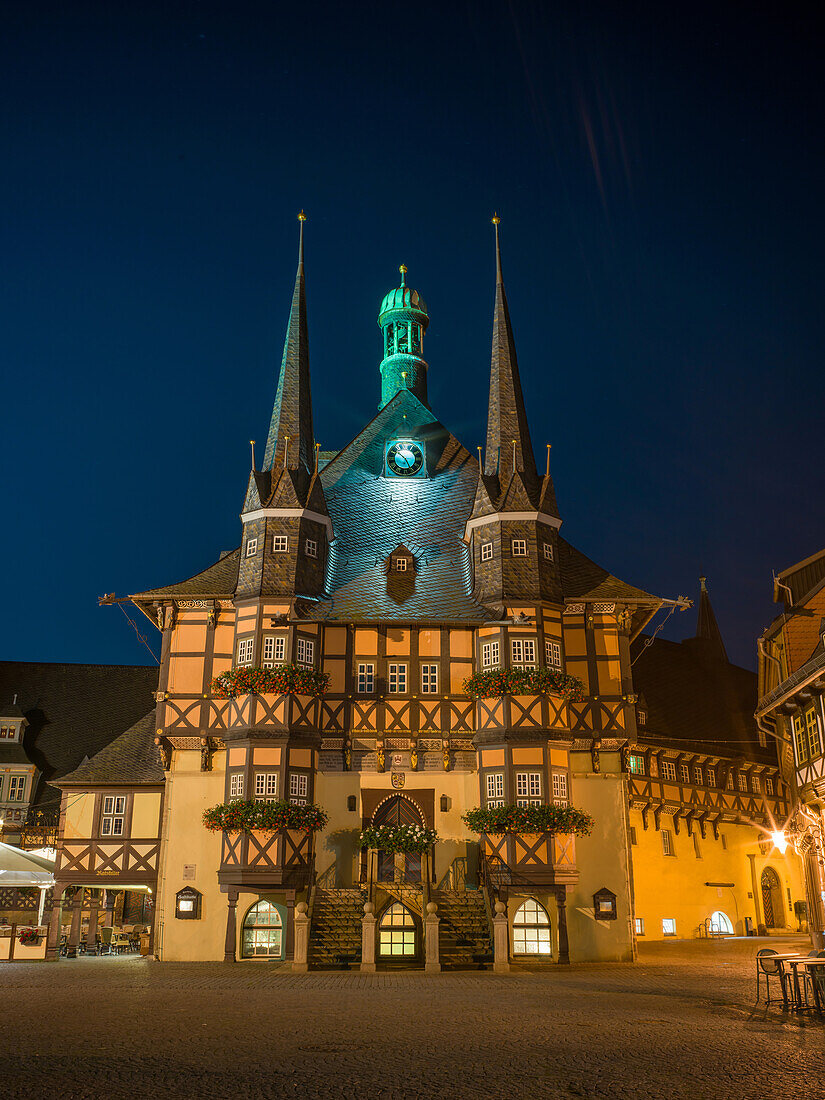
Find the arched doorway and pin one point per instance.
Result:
(531, 929)
(773, 909)
(397, 933)
(398, 810)
(262, 936)
(719, 924)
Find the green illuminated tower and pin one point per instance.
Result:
(403, 319)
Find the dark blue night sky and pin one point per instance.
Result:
(659, 171)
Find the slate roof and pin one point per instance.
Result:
(372, 515)
(219, 579)
(131, 758)
(73, 711)
(695, 701)
(582, 579)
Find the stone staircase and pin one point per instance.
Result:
(335, 931)
(463, 933)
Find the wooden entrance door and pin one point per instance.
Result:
(772, 908)
(398, 810)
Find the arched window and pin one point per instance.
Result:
(262, 932)
(531, 929)
(396, 932)
(719, 924)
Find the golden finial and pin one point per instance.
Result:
(252, 445)
(403, 270)
(302, 217)
(496, 220)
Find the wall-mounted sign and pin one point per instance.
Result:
(189, 870)
(604, 904)
(188, 904)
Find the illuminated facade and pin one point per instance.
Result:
(395, 569)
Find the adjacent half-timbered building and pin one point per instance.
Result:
(790, 711)
(401, 636)
(706, 795)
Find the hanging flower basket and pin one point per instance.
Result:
(397, 838)
(241, 816)
(528, 819)
(280, 680)
(524, 681)
(29, 937)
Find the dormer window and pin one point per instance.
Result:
(401, 565)
(251, 547)
(401, 560)
(311, 548)
(8, 733)
(486, 551)
(519, 548)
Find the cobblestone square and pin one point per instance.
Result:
(681, 1023)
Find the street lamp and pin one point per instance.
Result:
(780, 841)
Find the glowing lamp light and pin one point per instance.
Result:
(780, 841)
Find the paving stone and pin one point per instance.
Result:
(680, 1023)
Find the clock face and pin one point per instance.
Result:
(404, 459)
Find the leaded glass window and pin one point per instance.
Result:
(531, 930)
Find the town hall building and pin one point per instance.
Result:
(404, 637)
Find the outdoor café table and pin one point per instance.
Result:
(782, 959)
(793, 962)
(812, 964)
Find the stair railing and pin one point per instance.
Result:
(455, 876)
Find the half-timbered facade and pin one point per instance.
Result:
(790, 712)
(400, 567)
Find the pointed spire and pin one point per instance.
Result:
(707, 628)
(290, 442)
(508, 436)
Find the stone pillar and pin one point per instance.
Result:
(41, 905)
(501, 940)
(301, 919)
(231, 925)
(94, 909)
(53, 942)
(432, 962)
(109, 917)
(289, 946)
(561, 906)
(77, 916)
(368, 939)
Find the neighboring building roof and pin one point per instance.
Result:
(73, 711)
(131, 758)
(800, 579)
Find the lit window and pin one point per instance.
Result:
(311, 548)
(756, 786)
(729, 781)
(274, 649)
(429, 679)
(800, 739)
(667, 843)
(490, 655)
(552, 653)
(528, 788)
(401, 565)
(560, 788)
(305, 651)
(17, 785)
(684, 773)
(519, 548)
(396, 931)
(111, 821)
(266, 784)
(495, 788)
(768, 785)
(668, 926)
(486, 551)
(642, 717)
(245, 649)
(668, 769)
(397, 679)
(236, 785)
(531, 929)
(280, 544)
(366, 679)
(523, 651)
(710, 774)
(548, 551)
(262, 932)
(698, 778)
(298, 788)
(743, 781)
(637, 764)
(640, 926)
(251, 547)
(814, 742)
